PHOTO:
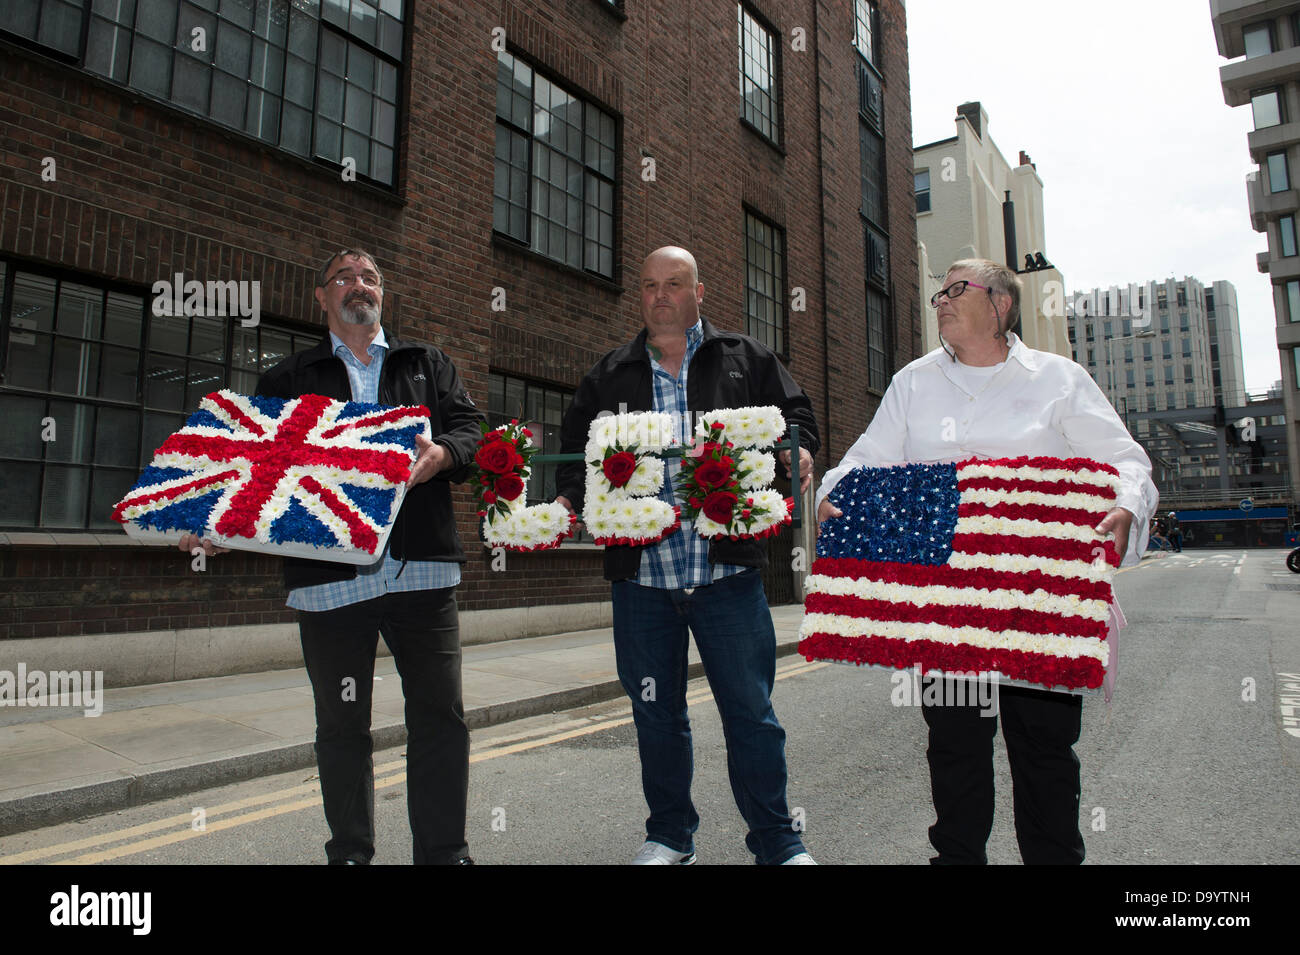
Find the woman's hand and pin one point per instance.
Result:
(825, 511)
(1118, 522)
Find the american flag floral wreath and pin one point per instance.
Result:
(303, 477)
(982, 566)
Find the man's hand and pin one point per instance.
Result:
(1118, 521)
(825, 511)
(191, 541)
(568, 506)
(805, 467)
(433, 458)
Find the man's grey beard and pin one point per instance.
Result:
(359, 312)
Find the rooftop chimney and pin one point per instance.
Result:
(971, 112)
(1025, 160)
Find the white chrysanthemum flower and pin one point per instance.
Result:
(762, 468)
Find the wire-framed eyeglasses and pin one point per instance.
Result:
(953, 291)
(344, 279)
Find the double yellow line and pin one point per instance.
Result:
(386, 775)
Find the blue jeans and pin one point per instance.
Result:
(737, 643)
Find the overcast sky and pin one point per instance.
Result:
(1119, 106)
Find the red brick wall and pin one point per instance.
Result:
(144, 191)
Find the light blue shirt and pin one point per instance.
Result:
(682, 558)
(386, 575)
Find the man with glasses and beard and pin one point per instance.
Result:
(408, 595)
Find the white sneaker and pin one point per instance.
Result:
(656, 853)
(801, 858)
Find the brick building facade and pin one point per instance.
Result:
(508, 163)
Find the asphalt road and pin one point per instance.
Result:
(1190, 763)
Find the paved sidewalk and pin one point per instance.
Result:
(155, 741)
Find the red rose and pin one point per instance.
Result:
(618, 468)
(498, 457)
(713, 473)
(509, 486)
(719, 505)
(493, 436)
(745, 513)
(489, 497)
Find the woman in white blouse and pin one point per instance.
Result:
(985, 394)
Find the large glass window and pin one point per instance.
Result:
(765, 283)
(759, 96)
(871, 161)
(1258, 39)
(1293, 301)
(1279, 176)
(878, 363)
(1266, 107)
(93, 382)
(1286, 233)
(318, 78)
(555, 169)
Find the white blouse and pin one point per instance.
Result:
(1036, 403)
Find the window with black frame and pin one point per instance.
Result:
(93, 382)
(765, 283)
(760, 102)
(317, 78)
(541, 409)
(866, 30)
(556, 169)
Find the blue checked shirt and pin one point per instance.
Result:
(387, 575)
(681, 559)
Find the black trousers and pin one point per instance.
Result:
(422, 630)
(1040, 729)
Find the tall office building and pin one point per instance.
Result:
(972, 203)
(1168, 356)
(1160, 345)
(1262, 38)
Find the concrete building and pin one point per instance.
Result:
(972, 203)
(1262, 38)
(1168, 356)
(509, 163)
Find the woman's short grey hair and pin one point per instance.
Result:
(1000, 280)
(324, 274)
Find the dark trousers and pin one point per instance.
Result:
(1040, 729)
(422, 630)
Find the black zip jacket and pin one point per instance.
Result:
(413, 374)
(729, 370)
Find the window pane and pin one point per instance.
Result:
(1267, 109)
(169, 333)
(108, 50)
(1258, 40)
(22, 487)
(122, 320)
(191, 83)
(1293, 301)
(157, 19)
(74, 431)
(203, 378)
(164, 382)
(229, 95)
(61, 26)
(76, 367)
(157, 428)
(109, 487)
(1286, 226)
(65, 496)
(119, 376)
(21, 435)
(33, 304)
(28, 364)
(151, 67)
(1278, 178)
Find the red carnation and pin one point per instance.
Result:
(719, 505)
(509, 486)
(619, 467)
(714, 473)
(498, 457)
